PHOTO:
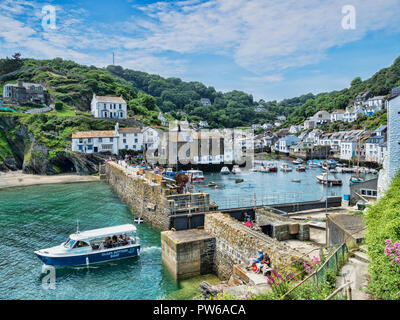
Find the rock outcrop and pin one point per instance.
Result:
(22, 151)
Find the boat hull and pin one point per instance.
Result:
(89, 258)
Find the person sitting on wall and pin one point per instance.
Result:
(264, 264)
(248, 223)
(259, 256)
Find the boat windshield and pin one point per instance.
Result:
(69, 243)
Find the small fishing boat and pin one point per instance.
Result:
(236, 169)
(195, 175)
(225, 170)
(298, 161)
(296, 180)
(286, 168)
(328, 179)
(301, 168)
(272, 167)
(170, 172)
(88, 247)
(211, 184)
(239, 180)
(356, 179)
(263, 169)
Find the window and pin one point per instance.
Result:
(124, 140)
(121, 114)
(89, 140)
(80, 140)
(80, 148)
(124, 135)
(120, 106)
(111, 139)
(90, 147)
(126, 147)
(100, 139)
(107, 146)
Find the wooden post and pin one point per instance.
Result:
(349, 292)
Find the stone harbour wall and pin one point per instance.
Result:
(144, 198)
(236, 244)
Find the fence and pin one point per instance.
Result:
(240, 201)
(334, 261)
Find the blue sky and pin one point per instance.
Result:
(272, 49)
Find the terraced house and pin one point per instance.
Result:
(108, 141)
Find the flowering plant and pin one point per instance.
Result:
(392, 250)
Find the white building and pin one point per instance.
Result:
(352, 114)
(164, 121)
(203, 124)
(337, 115)
(151, 138)
(108, 107)
(284, 143)
(281, 118)
(205, 102)
(108, 141)
(294, 129)
(373, 150)
(376, 102)
(321, 117)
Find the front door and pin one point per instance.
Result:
(95, 149)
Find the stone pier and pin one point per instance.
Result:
(187, 253)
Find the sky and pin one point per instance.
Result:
(273, 49)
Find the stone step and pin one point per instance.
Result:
(363, 248)
(361, 256)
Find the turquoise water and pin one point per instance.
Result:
(38, 217)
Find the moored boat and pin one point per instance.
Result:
(286, 168)
(93, 246)
(195, 175)
(236, 169)
(329, 179)
(272, 167)
(225, 170)
(301, 168)
(263, 169)
(298, 161)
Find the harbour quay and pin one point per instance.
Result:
(197, 238)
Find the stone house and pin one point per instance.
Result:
(25, 92)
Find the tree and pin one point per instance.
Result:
(59, 105)
(356, 81)
(8, 65)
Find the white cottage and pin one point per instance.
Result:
(108, 107)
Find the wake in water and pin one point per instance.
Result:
(152, 248)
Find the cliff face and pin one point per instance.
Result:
(19, 150)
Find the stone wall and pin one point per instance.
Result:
(148, 196)
(236, 244)
(144, 198)
(282, 228)
(187, 253)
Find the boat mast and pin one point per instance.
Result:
(77, 226)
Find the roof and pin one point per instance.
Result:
(130, 130)
(339, 111)
(103, 232)
(93, 134)
(110, 99)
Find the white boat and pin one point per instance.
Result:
(225, 170)
(236, 169)
(286, 168)
(93, 246)
(195, 175)
(263, 169)
(298, 161)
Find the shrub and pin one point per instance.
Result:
(383, 222)
(59, 105)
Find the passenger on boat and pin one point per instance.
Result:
(122, 241)
(101, 245)
(107, 243)
(94, 245)
(259, 256)
(114, 241)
